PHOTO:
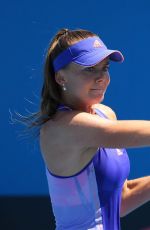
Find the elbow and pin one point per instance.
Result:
(122, 212)
(124, 204)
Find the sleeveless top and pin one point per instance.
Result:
(91, 198)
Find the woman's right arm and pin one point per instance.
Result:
(93, 131)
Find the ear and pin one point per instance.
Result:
(60, 78)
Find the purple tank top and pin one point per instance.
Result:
(91, 198)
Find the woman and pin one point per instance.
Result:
(82, 142)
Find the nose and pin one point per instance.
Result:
(103, 79)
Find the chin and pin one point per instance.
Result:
(101, 100)
(97, 101)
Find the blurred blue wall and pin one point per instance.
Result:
(26, 29)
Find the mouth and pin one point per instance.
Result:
(98, 89)
(95, 89)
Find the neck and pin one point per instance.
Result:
(79, 106)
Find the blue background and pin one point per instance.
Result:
(26, 30)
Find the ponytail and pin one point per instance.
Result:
(51, 93)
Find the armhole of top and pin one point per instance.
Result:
(100, 113)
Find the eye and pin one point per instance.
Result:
(90, 69)
(106, 68)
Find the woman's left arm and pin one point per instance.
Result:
(134, 194)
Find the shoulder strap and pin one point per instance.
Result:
(100, 113)
(63, 107)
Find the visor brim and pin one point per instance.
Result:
(94, 57)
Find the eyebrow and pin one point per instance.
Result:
(107, 63)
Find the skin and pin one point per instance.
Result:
(81, 82)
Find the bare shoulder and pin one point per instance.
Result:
(75, 136)
(77, 130)
(109, 112)
(66, 120)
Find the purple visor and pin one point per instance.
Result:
(87, 52)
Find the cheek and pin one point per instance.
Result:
(108, 82)
(107, 79)
(76, 86)
(82, 83)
